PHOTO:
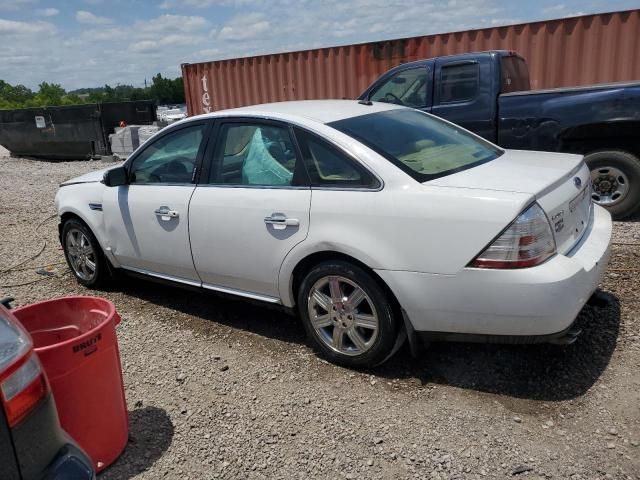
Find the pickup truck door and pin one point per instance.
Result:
(465, 93)
(409, 85)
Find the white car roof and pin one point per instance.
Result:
(323, 111)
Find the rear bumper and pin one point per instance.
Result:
(45, 451)
(531, 302)
(70, 463)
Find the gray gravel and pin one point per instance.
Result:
(221, 388)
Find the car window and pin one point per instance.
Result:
(254, 154)
(328, 166)
(170, 159)
(420, 144)
(515, 74)
(458, 82)
(408, 88)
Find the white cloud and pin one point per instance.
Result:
(82, 16)
(11, 27)
(47, 12)
(554, 9)
(245, 27)
(197, 3)
(14, 4)
(169, 23)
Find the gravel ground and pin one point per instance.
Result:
(221, 388)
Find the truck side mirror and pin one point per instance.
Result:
(115, 177)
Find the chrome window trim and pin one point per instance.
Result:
(269, 187)
(159, 185)
(352, 189)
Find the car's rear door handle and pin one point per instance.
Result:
(165, 212)
(280, 221)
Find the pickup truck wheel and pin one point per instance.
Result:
(84, 255)
(347, 315)
(615, 177)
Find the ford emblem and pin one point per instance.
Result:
(577, 182)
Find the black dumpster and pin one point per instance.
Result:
(69, 132)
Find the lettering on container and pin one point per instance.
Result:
(206, 99)
(89, 346)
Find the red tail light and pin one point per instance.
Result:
(527, 242)
(23, 390)
(22, 382)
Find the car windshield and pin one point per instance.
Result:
(421, 145)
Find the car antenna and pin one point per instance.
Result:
(368, 103)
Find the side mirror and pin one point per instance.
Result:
(115, 177)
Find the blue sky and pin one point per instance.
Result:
(83, 43)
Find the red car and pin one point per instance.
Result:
(33, 445)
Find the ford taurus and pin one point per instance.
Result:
(376, 222)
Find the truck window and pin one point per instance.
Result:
(408, 88)
(458, 83)
(515, 74)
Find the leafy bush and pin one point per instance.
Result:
(162, 91)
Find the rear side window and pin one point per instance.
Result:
(458, 83)
(327, 166)
(515, 74)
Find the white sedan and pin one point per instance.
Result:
(376, 222)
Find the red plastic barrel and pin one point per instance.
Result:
(75, 338)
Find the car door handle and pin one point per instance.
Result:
(165, 212)
(278, 220)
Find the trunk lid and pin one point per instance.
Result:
(560, 183)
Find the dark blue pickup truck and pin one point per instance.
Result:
(488, 93)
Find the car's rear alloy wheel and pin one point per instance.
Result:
(84, 255)
(343, 315)
(347, 314)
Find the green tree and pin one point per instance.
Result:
(49, 94)
(162, 91)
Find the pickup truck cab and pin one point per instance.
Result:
(488, 93)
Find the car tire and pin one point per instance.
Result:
(366, 330)
(622, 166)
(85, 259)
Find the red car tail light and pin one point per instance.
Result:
(22, 381)
(23, 390)
(527, 242)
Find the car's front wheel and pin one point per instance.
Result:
(348, 316)
(84, 255)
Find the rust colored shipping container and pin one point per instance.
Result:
(565, 52)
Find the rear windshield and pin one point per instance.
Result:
(515, 74)
(421, 145)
